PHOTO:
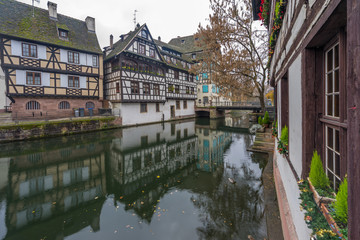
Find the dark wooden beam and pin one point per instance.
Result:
(353, 107)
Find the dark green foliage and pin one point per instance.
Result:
(260, 121)
(341, 204)
(317, 174)
(266, 118)
(313, 216)
(274, 129)
(285, 135)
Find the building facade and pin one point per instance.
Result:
(208, 92)
(314, 69)
(141, 86)
(50, 63)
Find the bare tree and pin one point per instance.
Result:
(235, 50)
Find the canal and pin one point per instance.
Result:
(162, 181)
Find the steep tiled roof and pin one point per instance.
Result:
(120, 45)
(187, 44)
(16, 20)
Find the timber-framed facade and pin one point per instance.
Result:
(140, 84)
(317, 79)
(48, 75)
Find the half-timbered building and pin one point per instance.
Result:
(136, 76)
(315, 71)
(50, 63)
(208, 92)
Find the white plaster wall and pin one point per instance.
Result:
(295, 115)
(292, 194)
(21, 78)
(2, 89)
(85, 59)
(16, 49)
(130, 113)
(179, 112)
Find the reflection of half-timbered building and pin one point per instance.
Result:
(136, 80)
(50, 63)
(59, 192)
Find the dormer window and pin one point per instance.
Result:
(193, 56)
(182, 41)
(144, 34)
(63, 34)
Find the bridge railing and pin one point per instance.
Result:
(233, 104)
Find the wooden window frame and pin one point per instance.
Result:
(134, 87)
(32, 105)
(73, 57)
(331, 73)
(33, 80)
(177, 104)
(142, 49)
(152, 52)
(64, 105)
(177, 88)
(117, 85)
(146, 88)
(157, 107)
(73, 82)
(144, 34)
(156, 90)
(95, 61)
(63, 34)
(185, 104)
(27, 52)
(145, 108)
(176, 74)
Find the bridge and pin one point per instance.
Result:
(217, 109)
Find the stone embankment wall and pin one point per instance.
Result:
(27, 131)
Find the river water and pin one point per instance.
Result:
(163, 181)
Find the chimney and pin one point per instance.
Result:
(52, 10)
(122, 37)
(159, 38)
(90, 24)
(111, 41)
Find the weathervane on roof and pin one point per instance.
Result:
(38, 1)
(134, 17)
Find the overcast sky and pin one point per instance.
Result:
(165, 18)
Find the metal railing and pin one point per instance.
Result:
(233, 104)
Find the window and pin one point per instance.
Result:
(205, 76)
(63, 33)
(89, 105)
(156, 90)
(193, 56)
(146, 88)
(187, 90)
(172, 129)
(157, 107)
(205, 88)
(64, 105)
(117, 87)
(95, 61)
(115, 66)
(144, 140)
(144, 34)
(142, 49)
(29, 50)
(177, 89)
(185, 104)
(73, 57)
(177, 104)
(192, 90)
(160, 71)
(32, 105)
(143, 107)
(333, 156)
(73, 82)
(185, 136)
(170, 88)
(332, 85)
(152, 52)
(33, 78)
(176, 74)
(134, 87)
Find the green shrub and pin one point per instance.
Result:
(266, 118)
(285, 135)
(317, 174)
(260, 121)
(341, 204)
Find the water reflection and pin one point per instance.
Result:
(169, 180)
